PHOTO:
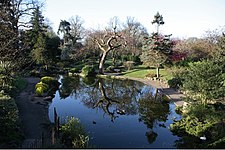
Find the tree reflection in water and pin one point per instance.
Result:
(69, 86)
(118, 98)
(151, 111)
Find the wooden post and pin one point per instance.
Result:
(55, 115)
(58, 126)
(53, 136)
(54, 129)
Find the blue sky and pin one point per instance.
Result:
(183, 18)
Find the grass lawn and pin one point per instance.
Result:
(141, 72)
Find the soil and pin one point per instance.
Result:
(33, 113)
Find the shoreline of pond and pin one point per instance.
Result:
(171, 93)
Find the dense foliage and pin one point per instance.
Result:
(201, 121)
(202, 125)
(74, 135)
(32, 45)
(205, 81)
(9, 123)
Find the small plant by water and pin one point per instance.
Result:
(73, 134)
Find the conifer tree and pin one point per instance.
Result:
(156, 47)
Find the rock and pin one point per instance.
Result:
(47, 98)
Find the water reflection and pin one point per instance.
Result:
(113, 97)
(131, 107)
(151, 111)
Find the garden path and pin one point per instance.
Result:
(33, 113)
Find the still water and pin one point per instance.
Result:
(116, 113)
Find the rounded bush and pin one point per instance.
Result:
(40, 88)
(39, 91)
(42, 85)
(47, 80)
(50, 81)
(88, 80)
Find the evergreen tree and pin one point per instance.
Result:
(204, 81)
(52, 45)
(37, 26)
(38, 38)
(156, 47)
(64, 27)
(158, 19)
(39, 51)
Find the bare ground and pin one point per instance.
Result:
(33, 112)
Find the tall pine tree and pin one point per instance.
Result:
(156, 47)
(38, 38)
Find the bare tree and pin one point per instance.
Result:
(13, 14)
(134, 32)
(107, 41)
(77, 29)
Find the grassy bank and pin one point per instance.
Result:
(141, 72)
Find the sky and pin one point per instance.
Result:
(183, 18)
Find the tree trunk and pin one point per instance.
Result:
(102, 61)
(157, 71)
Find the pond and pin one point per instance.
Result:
(116, 113)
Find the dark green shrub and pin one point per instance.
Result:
(88, 70)
(10, 133)
(175, 83)
(202, 120)
(135, 59)
(88, 80)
